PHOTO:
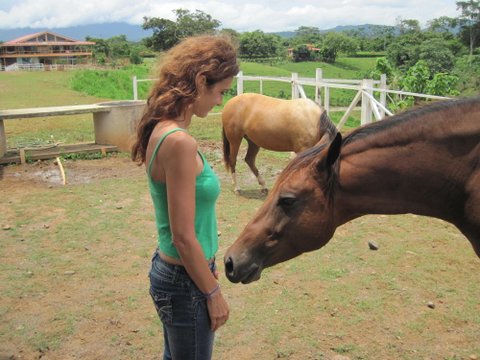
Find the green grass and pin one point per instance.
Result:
(42, 89)
(112, 84)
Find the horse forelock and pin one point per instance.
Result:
(303, 162)
(303, 159)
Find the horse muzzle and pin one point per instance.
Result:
(244, 272)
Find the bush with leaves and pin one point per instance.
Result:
(301, 53)
(467, 69)
(438, 57)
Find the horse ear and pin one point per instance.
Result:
(334, 150)
(329, 156)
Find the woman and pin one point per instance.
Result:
(193, 77)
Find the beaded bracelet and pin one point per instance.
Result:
(211, 293)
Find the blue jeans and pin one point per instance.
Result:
(182, 308)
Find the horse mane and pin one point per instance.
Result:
(406, 116)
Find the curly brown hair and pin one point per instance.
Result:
(215, 57)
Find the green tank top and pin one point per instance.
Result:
(207, 189)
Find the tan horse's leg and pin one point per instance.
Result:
(234, 147)
(252, 152)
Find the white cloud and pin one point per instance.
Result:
(263, 15)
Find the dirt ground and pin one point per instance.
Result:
(81, 300)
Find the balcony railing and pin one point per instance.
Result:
(44, 52)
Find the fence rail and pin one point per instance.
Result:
(47, 67)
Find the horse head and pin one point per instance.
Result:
(296, 217)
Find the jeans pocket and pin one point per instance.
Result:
(163, 305)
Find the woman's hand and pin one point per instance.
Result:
(218, 310)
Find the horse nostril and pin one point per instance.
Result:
(229, 265)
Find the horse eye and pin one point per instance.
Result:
(287, 201)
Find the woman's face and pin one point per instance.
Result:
(208, 97)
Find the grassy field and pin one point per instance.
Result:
(37, 89)
(73, 275)
(40, 89)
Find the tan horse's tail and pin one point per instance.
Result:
(326, 129)
(226, 151)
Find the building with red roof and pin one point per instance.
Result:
(44, 48)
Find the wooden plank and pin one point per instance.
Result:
(13, 156)
(52, 111)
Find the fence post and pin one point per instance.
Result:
(383, 94)
(3, 139)
(367, 85)
(318, 88)
(327, 99)
(135, 90)
(240, 83)
(295, 94)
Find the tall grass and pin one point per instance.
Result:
(113, 84)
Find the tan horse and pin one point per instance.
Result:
(273, 124)
(425, 161)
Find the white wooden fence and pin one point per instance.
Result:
(371, 93)
(366, 90)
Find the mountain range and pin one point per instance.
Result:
(132, 32)
(101, 31)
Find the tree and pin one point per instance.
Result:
(306, 35)
(164, 33)
(420, 79)
(167, 33)
(328, 54)
(408, 26)
(233, 34)
(333, 43)
(437, 56)
(470, 20)
(383, 35)
(443, 24)
(135, 57)
(119, 46)
(404, 51)
(257, 45)
(467, 69)
(189, 24)
(101, 49)
(301, 53)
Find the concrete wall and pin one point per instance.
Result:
(118, 126)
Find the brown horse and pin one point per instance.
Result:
(424, 161)
(272, 124)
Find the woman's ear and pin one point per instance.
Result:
(200, 81)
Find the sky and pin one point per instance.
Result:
(240, 15)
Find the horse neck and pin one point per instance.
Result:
(416, 175)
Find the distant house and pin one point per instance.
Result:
(44, 48)
(310, 47)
